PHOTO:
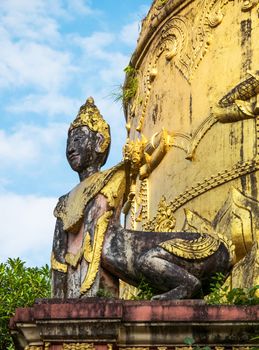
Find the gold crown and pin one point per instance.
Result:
(90, 116)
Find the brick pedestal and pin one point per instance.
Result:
(103, 324)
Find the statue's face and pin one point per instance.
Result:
(80, 152)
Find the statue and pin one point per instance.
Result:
(91, 251)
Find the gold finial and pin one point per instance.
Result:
(90, 116)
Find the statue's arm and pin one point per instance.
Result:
(58, 263)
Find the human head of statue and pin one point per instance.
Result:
(88, 141)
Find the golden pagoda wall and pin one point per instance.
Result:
(198, 165)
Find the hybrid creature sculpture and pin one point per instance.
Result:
(91, 251)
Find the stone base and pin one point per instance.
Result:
(105, 324)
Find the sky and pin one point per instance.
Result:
(54, 54)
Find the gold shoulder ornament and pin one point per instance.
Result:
(70, 208)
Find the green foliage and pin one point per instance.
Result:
(128, 91)
(161, 3)
(144, 291)
(131, 84)
(104, 293)
(235, 296)
(190, 341)
(19, 287)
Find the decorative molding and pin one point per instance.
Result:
(238, 219)
(247, 5)
(45, 346)
(136, 348)
(214, 181)
(199, 248)
(144, 200)
(242, 91)
(164, 221)
(78, 346)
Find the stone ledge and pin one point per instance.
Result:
(134, 323)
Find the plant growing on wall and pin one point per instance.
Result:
(236, 296)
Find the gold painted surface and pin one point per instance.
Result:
(196, 249)
(70, 208)
(164, 220)
(135, 348)
(89, 115)
(78, 346)
(85, 251)
(199, 81)
(115, 189)
(99, 233)
(56, 265)
(46, 346)
(127, 291)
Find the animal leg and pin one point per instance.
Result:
(172, 280)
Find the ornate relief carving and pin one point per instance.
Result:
(247, 5)
(199, 133)
(237, 219)
(189, 41)
(46, 346)
(78, 346)
(243, 91)
(199, 248)
(143, 194)
(213, 181)
(93, 268)
(135, 348)
(142, 158)
(164, 220)
(235, 222)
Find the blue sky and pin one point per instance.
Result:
(54, 54)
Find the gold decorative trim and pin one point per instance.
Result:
(164, 221)
(85, 251)
(70, 208)
(196, 249)
(56, 265)
(214, 181)
(248, 5)
(115, 189)
(101, 227)
(136, 348)
(46, 346)
(144, 200)
(78, 346)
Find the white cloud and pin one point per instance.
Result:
(34, 65)
(80, 7)
(30, 145)
(94, 44)
(30, 20)
(114, 69)
(50, 104)
(26, 227)
(129, 33)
